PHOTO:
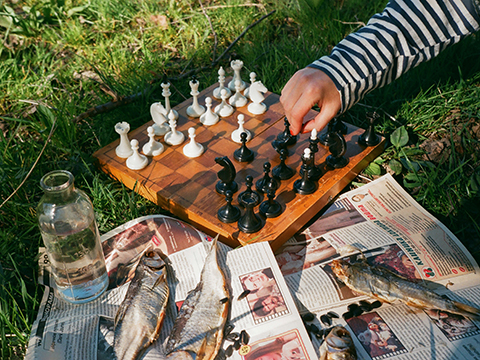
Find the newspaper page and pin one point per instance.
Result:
(396, 233)
(267, 312)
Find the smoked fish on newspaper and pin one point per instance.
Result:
(380, 283)
(199, 327)
(140, 315)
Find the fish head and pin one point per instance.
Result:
(341, 269)
(154, 259)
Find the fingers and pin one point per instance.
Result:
(306, 88)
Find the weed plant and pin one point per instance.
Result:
(60, 58)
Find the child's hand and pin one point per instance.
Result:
(306, 88)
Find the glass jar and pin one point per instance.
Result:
(67, 224)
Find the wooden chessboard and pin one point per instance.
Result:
(186, 187)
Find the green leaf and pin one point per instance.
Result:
(6, 21)
(77, 9)
(373, 169)
(399, 137)
(410, 165)
(412, 180)
(413, 151)
(396, 166)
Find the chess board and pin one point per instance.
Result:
(186, 187)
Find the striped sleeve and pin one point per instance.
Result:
(405, 34)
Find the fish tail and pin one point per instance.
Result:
(467, 309)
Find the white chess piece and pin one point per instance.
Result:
(253, 77)
(195, 110)
(136, 161)
(166, 94)
(158, 113)
(173, 137)
(123, 150)
(224, 109)
(217, 93)
(238, 100)
(209, 117)
(257, 107)
(153, 147)
(236, 65)
(192, 149)
(313, 134)
(236, 133)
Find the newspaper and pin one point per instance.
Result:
(268, 314)
(395, 232)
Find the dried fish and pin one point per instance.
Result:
(325, 320)
(199, 327)
(338, 345)
(143, 307)
(387, 286)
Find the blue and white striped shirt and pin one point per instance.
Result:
(405, 34)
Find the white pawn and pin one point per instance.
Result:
(313, 134)
(217, 93)
(257, 107)
(253, 77)
(238, 100)
(158, 113)
(123, 150)
(166, 94)
(173, 137)
(192, 149)
(209, 117)
(236, 65)
(224, 109)
(136, 161)
(153, 147)
(236, 133)
(195, 110)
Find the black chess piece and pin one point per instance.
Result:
(327, 138)
(286, 135)
(282, 171)
(228, 213)
(262, 184)
(243, 154)
(226, 176)
(270, 208)
(249, 183)
(339, 126)
(315, 172)
(369, 138)
(305, 185)
(336, 159)
(250, 222)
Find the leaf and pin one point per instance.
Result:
(373, 169)
(77, 9)
(413, 151)
(396, 166)
(6, 21)
(399, 137)
(410, 165)
(412, 180)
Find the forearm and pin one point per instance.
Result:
(405, 34)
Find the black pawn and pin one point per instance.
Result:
(270, 208)
(282, 171)
(339, 126)
(315, 172)
(228, 213)
(327, 138)
(369, 138)
(336, 159)
(262, 184)
(304, 185)
(286, 135)
(248, 191)
(226, 176)
(243, 154)
(250, 222)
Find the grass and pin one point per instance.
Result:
(60, 58)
